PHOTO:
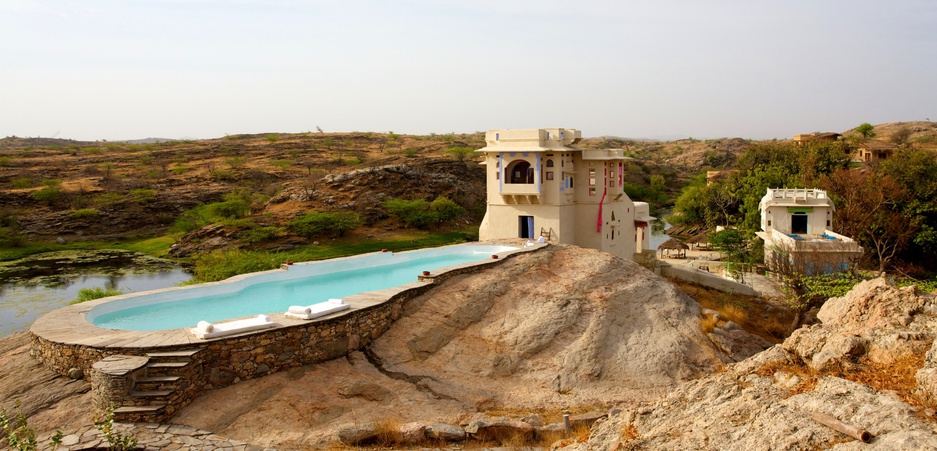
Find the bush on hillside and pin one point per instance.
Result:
(330, 224)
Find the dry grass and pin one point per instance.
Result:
(388, 432)
(757, 316)
(808, 376)
(708, 323)
(897, 376)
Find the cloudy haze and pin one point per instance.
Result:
(132, 69)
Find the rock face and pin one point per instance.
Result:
(877, 335)
(561, 321)
(560, 327)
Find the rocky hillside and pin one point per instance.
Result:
(871, 363)
(564, 327)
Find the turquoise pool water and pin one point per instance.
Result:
(275, 291)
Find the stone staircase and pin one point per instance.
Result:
(160, 387)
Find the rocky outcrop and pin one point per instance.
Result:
(561, 327)
(859, 365)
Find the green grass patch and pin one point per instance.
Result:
(88, 294)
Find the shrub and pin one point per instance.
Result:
(410, 152)
(108, 198)
(22, 182)
(49, 195)
(332, 224)
(221, 264)
(84, 213)
(460, 153)
(235, 162)
(258, 234)
(421, 214)
(273, 138)
(6, 161)
(413, 213)
(88, 294)
(143, 195)
(446, 208)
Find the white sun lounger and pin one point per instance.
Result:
(317, 310)
(205, 330)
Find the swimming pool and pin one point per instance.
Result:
(275, 291)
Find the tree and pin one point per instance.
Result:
(869, 208)
(735, 250)
(866, 129)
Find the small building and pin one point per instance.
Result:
(541, 184)
(804, 138)
(797, 227)
(874, 151)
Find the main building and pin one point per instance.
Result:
(541, 184)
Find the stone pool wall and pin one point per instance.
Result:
(221, 362)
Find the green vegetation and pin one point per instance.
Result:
(460, 153)
(22, 182)
(255, 235)
(410, 152)
(235, 205)
(143, 196)
(329, 224)
(115, 440)
(52, 192)
(889, 208)
(84, 213)
(88, 294)
(6, 161)
(422, 214)
(108, 198)
(866, 130)
(273, 138)
(19, 435)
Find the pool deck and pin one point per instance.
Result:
(68, 324)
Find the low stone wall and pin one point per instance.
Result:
(703, 278)
(225, 361)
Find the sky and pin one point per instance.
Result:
(665, 69)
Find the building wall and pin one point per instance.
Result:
(779, 218)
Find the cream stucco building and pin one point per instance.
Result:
(541, 184)
(797, 230)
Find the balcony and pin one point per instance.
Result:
(520, 193)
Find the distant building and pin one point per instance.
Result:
(805, 138)
(874, 151)
(541, 184)
(796, 226)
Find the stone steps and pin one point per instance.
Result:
(146, 383)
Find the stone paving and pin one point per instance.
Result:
(150, 437)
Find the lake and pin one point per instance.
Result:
(36, 285)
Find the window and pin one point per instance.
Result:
(549, 175)
(592, 191)
(497, 136)
(769, 223)
(592, 177)
(827, 222)
(548, 135)
(549, 163)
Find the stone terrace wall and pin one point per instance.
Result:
(226, 361)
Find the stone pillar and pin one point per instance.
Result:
(112, 380)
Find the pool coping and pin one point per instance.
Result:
(67, 325)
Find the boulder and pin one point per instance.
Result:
(445, 432)
(357, 434)
(499, 429)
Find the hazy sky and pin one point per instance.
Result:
(127, 69)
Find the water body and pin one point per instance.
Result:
(39, 284)
(659, 233)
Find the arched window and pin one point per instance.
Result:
(519, 171)
(550, 163)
